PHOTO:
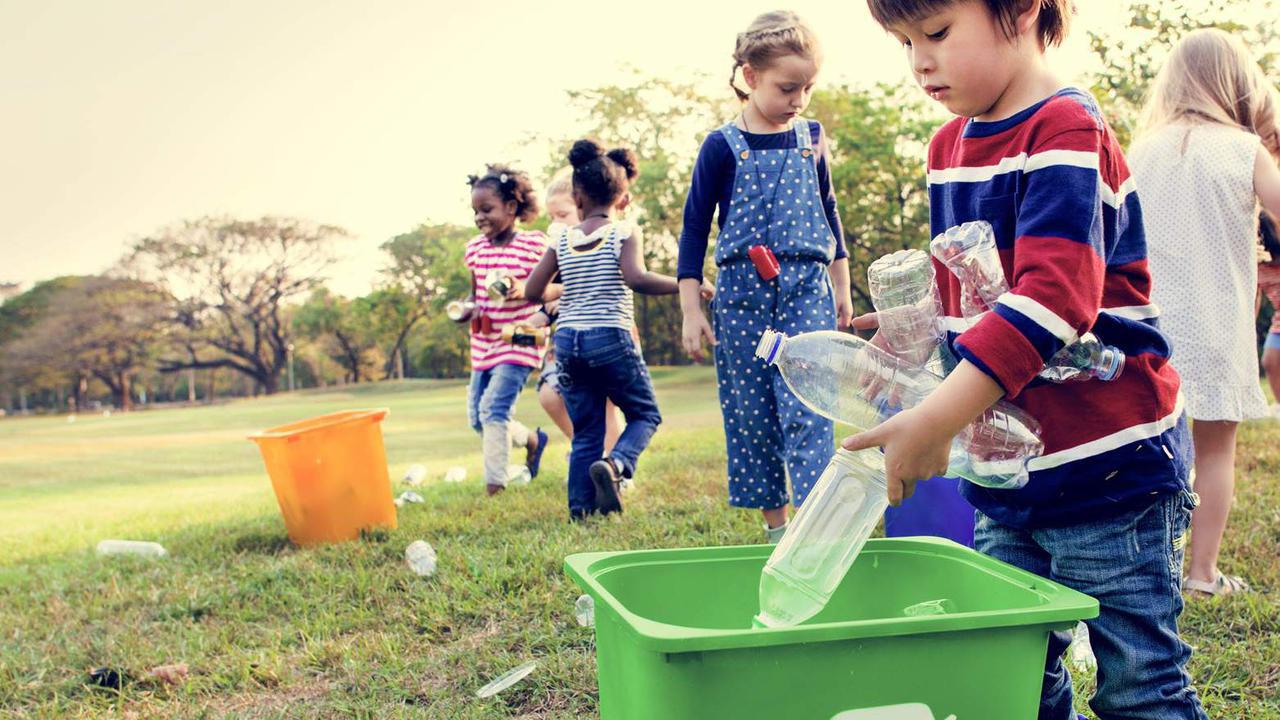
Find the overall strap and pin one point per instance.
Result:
(737, 142)
(804, 140)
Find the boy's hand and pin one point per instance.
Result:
(869, 321)
(844, 310)
(517, 290)
(695, 329)
(914, 449)
(707, 290)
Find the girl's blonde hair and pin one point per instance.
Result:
(1211, 77)
(561, 183)
(771, 36)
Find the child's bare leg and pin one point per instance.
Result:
(1215, 444)
(1271, 364)
(612, 426)
(553, 405)
(775, 517)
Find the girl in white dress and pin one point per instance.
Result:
(1205, 157)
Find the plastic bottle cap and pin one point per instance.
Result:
(764, 620)
(1112, 365)
(767, 348)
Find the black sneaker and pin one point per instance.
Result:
(606, 479)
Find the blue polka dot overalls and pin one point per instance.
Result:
(769, 433)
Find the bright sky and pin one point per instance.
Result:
(121, 117)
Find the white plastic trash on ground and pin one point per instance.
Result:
(507, 679)
(415, 475)
(421, 558)
(131, 547)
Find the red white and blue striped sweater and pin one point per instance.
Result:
(1054, 184)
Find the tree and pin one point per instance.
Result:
(878, 139)
(425, 272)
(104, 327)
(23, 370)
(344, 324)
(231, 281)
(1132, 57)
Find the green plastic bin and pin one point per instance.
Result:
(674, 637)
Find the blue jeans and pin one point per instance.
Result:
(490, 400)
(1132, 564)
(599, 364)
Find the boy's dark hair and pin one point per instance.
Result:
(511, 185)
(1268, 231)
(601, 176)
(1055, 15)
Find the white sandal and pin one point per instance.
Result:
(1222, 585)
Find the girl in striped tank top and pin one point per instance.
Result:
(600, 261)
(499, 368)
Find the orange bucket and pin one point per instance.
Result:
(330, 475)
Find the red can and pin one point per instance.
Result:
(766, 264)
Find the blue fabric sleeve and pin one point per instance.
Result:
(712, 180)
(828, 192)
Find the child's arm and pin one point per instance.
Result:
(695, 327)
(712, 178)
(1266, 181)
(917, 442)
(634, 272)
(537, 287)
(839, 270)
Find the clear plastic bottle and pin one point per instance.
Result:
(847, 379)
(969, 251)
(421, 558)
(823, 539)
(131, 547)
(1084, 359)
(907, 304)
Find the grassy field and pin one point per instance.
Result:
(347, 631)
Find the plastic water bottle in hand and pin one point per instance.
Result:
(823, 539)
(847, 379)
(907, 304)
(969, 251)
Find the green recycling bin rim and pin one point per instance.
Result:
(1058, 604)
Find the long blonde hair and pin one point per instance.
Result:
(771, 36)
(1210, 77)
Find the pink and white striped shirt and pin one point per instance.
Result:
(517, 256)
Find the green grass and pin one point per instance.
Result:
(346, 630)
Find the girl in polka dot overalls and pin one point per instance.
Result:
(781, 264)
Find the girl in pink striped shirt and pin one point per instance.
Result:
(499, 259)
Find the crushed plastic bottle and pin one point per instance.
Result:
(518, 475)
(1082, 657)
(1084, 359)
(969, 251)
(584, 610)
(823, 539)
(421, 558)
(131, 547)
(457, 473)
(907, 304)
(847, 379)
(415, 475)
(408, 496)
(941, 606)
(507, 679)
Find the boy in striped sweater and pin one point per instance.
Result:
(1108, 504)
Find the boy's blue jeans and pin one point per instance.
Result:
(598, 364)
(1132, 564)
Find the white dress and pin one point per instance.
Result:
(1195, 185)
